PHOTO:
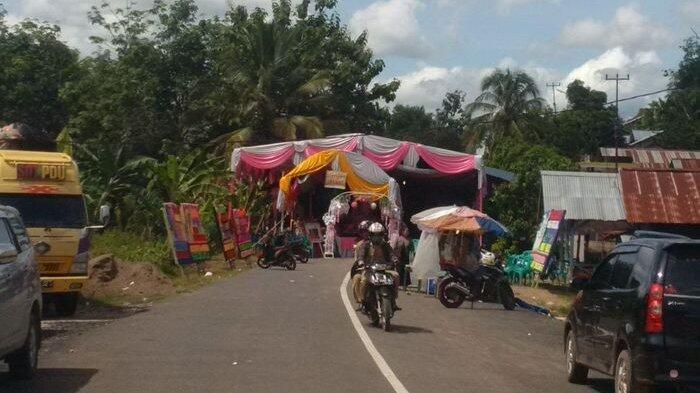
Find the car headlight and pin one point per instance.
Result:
(80, 263)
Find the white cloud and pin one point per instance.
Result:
(644, 68)
(502, 6)
(629, 28)
(428, 85)
(393, 28)
(690, 11)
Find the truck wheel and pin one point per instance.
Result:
(23, 363)
(66, 304)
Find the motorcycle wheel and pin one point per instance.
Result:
(263, 263)
(291, 263)
(450, 297)
(506, 296)
(304, 257)
(387, 312)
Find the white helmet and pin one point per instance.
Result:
(376, 228)
(488, 258)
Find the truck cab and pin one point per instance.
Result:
(45, 188)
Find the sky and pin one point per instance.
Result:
(437, 46)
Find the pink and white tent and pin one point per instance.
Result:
(387, 153)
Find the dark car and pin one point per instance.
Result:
(638, 318)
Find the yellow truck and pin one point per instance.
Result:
(45, 188)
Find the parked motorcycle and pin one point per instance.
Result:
(379, 298)
(487, 283)
(275, 251)
(299, 248)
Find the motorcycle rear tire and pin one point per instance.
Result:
(506, 296)
(454, 298)
(263, 263)
(387, 313)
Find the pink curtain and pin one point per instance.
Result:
(268, 161)
(347, 146)
(450, 164)
(388, 161)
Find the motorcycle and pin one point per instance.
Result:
(487, 283)
(275, 252)
(379, 298)
(299, 248)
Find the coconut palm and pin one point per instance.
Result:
(506, 96)
(277, 92)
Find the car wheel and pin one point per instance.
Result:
(576, 372)
(23, 363)
(625, 381)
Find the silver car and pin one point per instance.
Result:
(20, 296)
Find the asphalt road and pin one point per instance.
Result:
(280, 331)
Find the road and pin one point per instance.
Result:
(280, 331)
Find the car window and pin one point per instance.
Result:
(683, 271)
(20, 232)
(622, 270)
(642, 270)
(602, 274)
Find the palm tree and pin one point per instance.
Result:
(276, 90)
(506, 96)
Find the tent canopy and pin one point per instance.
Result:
(458, 218)
(363, 175)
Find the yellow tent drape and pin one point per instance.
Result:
(321, 160)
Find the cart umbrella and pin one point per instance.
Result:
(463, 219)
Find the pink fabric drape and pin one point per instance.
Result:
(388, 161)
(446, 164)
(268, 161)
(349, 147)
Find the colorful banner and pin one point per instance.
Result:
(186, 232)
(177, 234)
(242, 227)
(228, 235)
(336, 179)
(546, 236)
(196, 235)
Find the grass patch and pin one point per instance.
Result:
(556, 298)
(130, 247)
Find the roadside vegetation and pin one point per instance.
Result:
(153, 114)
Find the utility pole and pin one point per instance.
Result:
(554, 97)
(617, 78)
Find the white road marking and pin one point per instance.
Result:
(57, 321)
(376, 356)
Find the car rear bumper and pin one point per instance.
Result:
(653, 366)
(62, 284)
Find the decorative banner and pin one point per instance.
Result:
(196, 235)
(177, 234)
(546, 236)
(186, 232)
(228, 236)
(336, 179)
(242, 226)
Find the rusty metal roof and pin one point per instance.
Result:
(654, 158)
(584, 195)
(653, 196)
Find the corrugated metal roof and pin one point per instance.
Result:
(661, 196)
(584, 195)
(651, 158)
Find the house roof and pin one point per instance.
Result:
(639, 136)
(653, 196)
(651, 158)
(584, 195)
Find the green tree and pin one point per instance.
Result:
(678, 114)
(410, 123)
(506, 96)
(34, 65)
(517, 205)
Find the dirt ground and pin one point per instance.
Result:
(557, 299)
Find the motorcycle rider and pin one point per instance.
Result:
(375, 250)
